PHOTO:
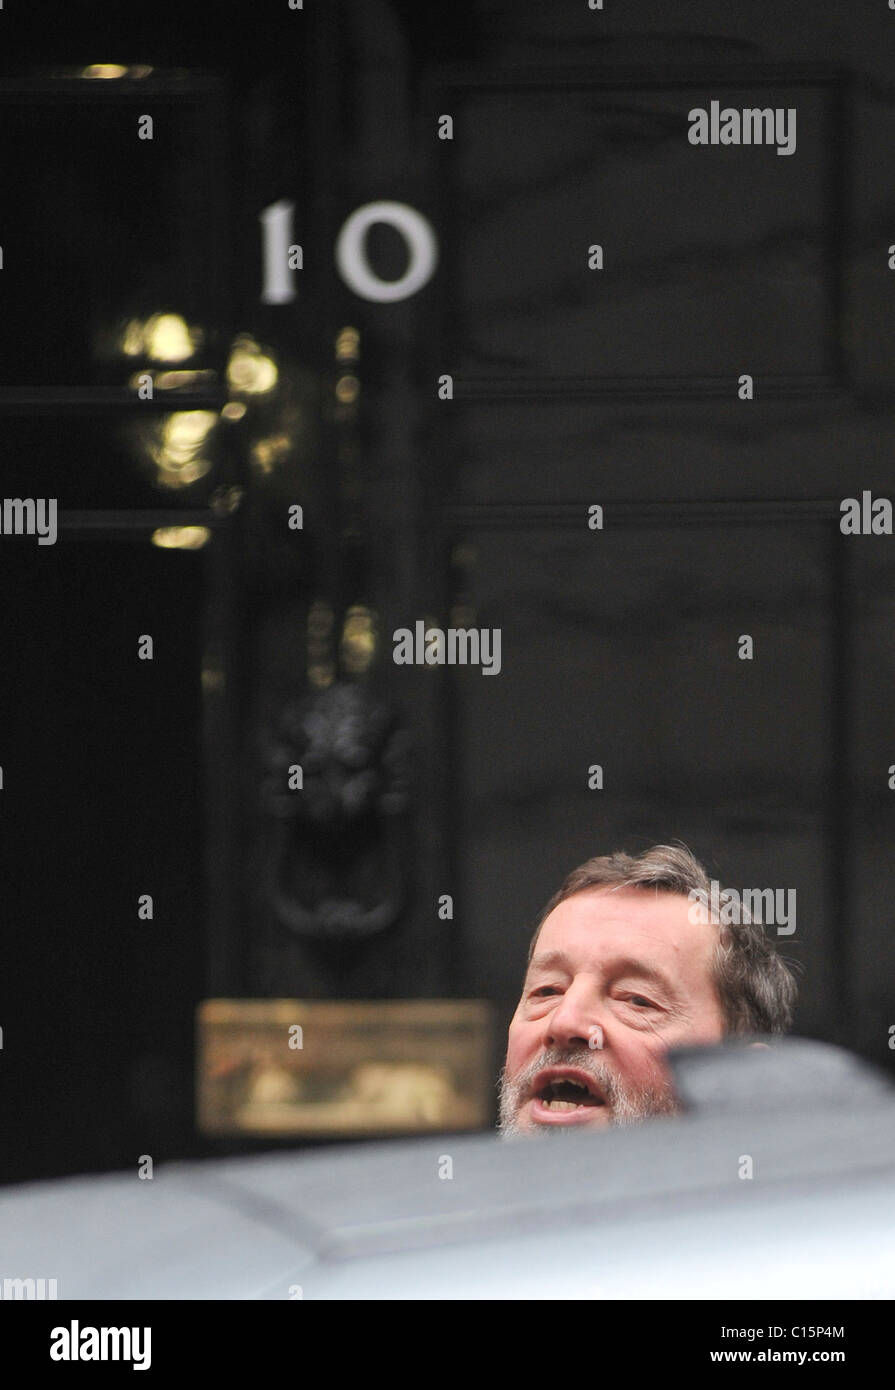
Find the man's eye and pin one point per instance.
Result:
(544, 989)
(641, 1001)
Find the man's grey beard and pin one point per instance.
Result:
(627, 1105)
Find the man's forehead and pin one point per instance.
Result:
(599, 921)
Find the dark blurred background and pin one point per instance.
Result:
(571, 387)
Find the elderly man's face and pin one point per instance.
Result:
(617, 978)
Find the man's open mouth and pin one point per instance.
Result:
(565, 1092)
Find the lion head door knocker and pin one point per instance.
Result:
(335, 795)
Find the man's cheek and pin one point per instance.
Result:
(515, 1053)
(647, 1066)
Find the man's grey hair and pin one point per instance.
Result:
(755, 986)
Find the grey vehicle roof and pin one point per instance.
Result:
(662, 1209)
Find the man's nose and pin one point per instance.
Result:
(576, 1021)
